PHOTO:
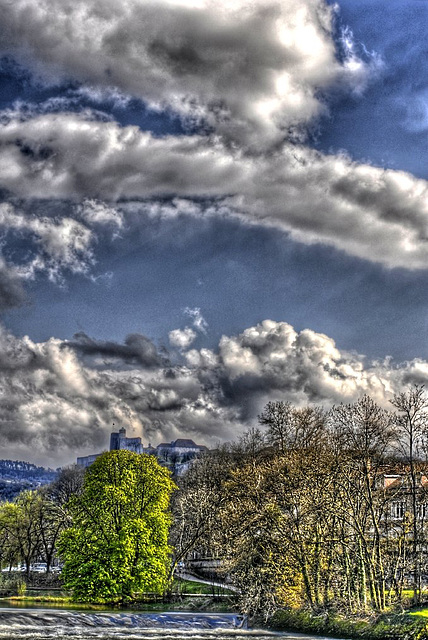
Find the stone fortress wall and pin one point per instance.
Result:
(177, 455)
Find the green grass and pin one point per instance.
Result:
(423, 613)
(186, 589)
(192, 587)
(409, 593)
(48, 601)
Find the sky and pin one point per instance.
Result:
(205, 206)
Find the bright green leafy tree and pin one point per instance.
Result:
(118, 542)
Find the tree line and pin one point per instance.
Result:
(317, 509)
(314, 508)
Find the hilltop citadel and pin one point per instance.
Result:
(176, 455)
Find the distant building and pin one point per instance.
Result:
(181, 448)
(86, 461)
(401, 494)
(177, 455)
(120, 441)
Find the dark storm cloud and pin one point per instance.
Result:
(137, 349)
(12, 293)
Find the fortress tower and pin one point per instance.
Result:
(118, 440)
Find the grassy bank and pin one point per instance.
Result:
(207, 604)
(187, 587)
(398, 626)
(45, 601)
(193, 600)
(16, 587)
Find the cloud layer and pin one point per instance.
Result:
(375, 214)
(253, 75)
(59, 243)
(249, 80)
(251, 70)
(61, 398)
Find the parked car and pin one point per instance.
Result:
(39, 567)
(20, 567)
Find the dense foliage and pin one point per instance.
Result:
(118, 541)
(320, 511)
(323, 510)
(30, 527)
(397, 626)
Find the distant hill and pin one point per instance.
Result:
(16, 476)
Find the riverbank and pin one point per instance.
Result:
(392, 626)
(189, 603)
(187, 594)
(398, 626)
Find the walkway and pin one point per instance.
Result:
(192, 578)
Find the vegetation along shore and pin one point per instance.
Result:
(315, 521)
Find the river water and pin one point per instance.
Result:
(47, 624)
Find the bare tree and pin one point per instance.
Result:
(412, 424)
(364, 433)
(289, 427)
(278, 417)
(196, 504)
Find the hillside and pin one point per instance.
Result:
(16, 475)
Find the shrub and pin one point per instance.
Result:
(385, 627)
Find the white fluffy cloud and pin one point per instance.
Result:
(274, 358)
(182, 338)
(54, 407)
(375, 214)
(56, 403)
(253, 70)
(73, 156)
(60, 244)
(94, 212)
